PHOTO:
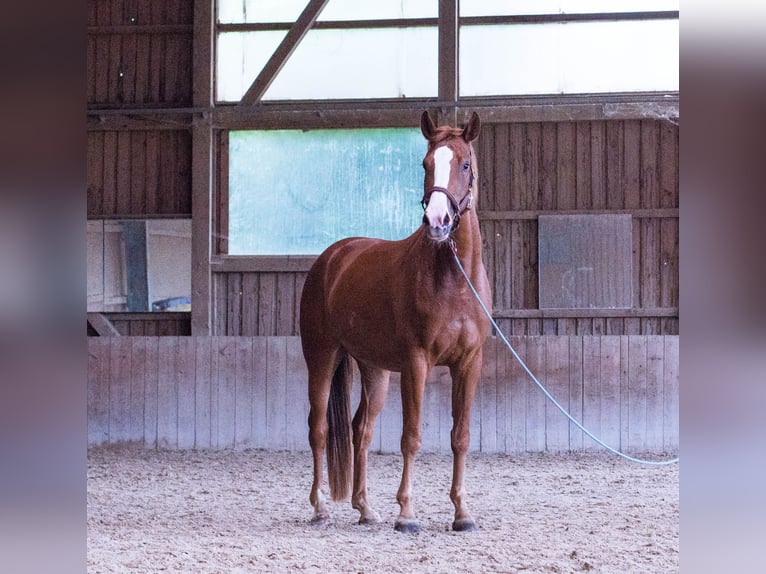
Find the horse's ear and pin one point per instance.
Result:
(472, 129)
(427, 126)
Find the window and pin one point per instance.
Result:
(294, 193)
(585, 261)
(389, 48)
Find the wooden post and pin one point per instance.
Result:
(448, 61)
(202, 168)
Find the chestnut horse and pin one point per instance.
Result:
(398, 306)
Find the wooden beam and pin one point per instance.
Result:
(660, 213)
(102, 325)
(202, 168)
(302, 25)
(584, 313)
(448, 59)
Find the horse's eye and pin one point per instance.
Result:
(466, 165)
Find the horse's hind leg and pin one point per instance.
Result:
(374, 391)
(321, 366)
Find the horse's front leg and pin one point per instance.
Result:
(413, 385)
(374, 391)
(465, 378)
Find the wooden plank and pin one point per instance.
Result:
(185, 388)
(137, 387)
(598, 178)
(227, 384)
(615, 192)
(535, 415)
(391, 417)
(637, 394)
(167, 393)
(296, 397)
(249, 310)
(151, 391)
(670, 395)
(649, 161)
(566, 166)
(556, 380)
(285, 307)
(444, 382)
(583, 162)
(430, 413)
(501, 390)
(95, 174)
(668, 165)
(448, 27)
(272, 67)
(202, 43)
(276, 370)
(489, 400)
(203, 387)
(591, 394)
(654, 393)
(109, 200)
(123, 173)
(215, 385)
(631, 182)
(234, 304)
(650, 263)
(266, 302)
(243, 393)
(611, 413)
(102, 325)
(668, 263)
(260, 390)
(98, 391)
(502, 169)
(114, 80)
(532, 198)
(576, 391)
(201, 185)
(548, 167)
(119, 389)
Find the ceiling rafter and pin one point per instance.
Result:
(298, 30)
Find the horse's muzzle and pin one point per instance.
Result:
(439, 232)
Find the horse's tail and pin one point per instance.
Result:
(339, 433)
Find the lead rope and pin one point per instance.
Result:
(544, 390)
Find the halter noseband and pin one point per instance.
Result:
(458, 207)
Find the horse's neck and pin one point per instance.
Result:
(468, 242)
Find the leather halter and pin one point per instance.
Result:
(458, 207)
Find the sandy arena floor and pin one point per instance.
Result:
(248, 511)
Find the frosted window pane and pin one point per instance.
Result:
(525, 7)
(294, 192)
(260, 11)
(368, 63)
(569, 58)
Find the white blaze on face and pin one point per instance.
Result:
(437, 210)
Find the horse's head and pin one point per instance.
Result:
(449, 175)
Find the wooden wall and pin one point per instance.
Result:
(528, 169)
(250, 392)
(139, 52)
(139, 58)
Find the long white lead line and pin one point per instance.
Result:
(545, 391)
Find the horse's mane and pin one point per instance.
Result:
(444, 133)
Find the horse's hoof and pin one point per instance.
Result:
(320, 519)
(407, 526)
(464, 525)
(370, 519)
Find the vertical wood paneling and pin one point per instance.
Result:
(670, 394)
(203, 387)
(227, 384)
(576, 391)
(119, 390)
(244, 372)
(244, 392)
(185, 387)
(556, 380)
(167, 394)
(98, 391)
